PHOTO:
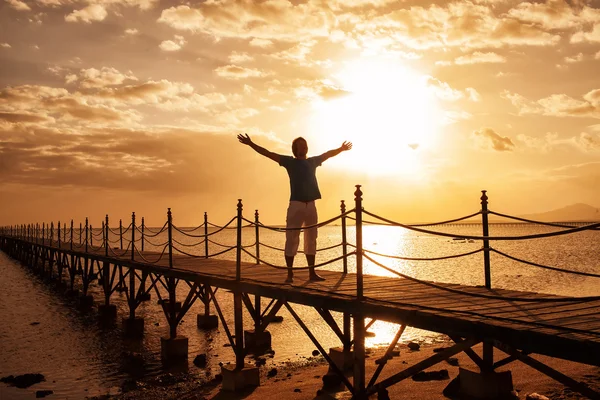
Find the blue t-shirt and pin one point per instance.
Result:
(303, 180)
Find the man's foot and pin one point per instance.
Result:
(290, 279)
(315, 277)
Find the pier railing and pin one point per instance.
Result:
(156, 245)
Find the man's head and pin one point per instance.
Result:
(300, 147)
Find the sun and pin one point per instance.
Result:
(388, 113)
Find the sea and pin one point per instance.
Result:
(42, 331)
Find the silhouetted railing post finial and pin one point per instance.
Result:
(486, 243)
(106, 241)
(359, 249)
(170, 236)
(205, 235)
(86, 234)
(238, 257)
(121, 233)
(143, 235)
(256, 228)
(344, 239)
(132, 236)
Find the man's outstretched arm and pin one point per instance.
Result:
(344, 147)
(260, 150)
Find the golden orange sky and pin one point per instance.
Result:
(114, 106)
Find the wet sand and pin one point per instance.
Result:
(304, 380)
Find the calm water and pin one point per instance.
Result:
(42, 331)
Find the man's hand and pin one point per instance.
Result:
(346, 146)
(245, 139)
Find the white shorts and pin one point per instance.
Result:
(301, 214)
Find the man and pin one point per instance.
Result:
(304, 191)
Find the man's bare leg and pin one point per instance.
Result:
(289, 261)
(312, 275)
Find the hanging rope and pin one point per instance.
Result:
(452, 235)
(151, 234)
(297, 268)
(202, 256)
(427, 224)
(192, 229)
(482, 295)
(545, 266)
(320, 224)
(189, 245)
(204, 236)
(299, 251)
(419, 258)
(140, 255)
(532, 221)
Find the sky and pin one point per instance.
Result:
(121, 106)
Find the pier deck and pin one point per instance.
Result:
(565, 329)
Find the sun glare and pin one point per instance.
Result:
(388, 113)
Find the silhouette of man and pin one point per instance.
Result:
(304, 191)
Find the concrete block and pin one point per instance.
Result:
(238, 379)
(257, 340)
(174, 350)
(207, 321)
(107, 312)
(344, 360)
(166, 304)
(485, 385)
(133, 328)
(86, 302)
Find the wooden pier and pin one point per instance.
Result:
(518, 323)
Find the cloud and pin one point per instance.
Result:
(574, 59)
(597, 56)
(592, 36)
(558, 105)
(271, 20)
(5, 45)
(491, 139)
(16, 118)
(480, 58)
(555, 14)
(93, 12)
(170, 45)
(94, 78)
(263, 43)
(238, 58)
(131, 32)
(18, 5)
(445, 92)
(237, 72)
(584, 142)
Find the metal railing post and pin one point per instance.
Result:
(238, 256)
(121, 233)
(486, 243)
(103, 237)
(344, 239)
(86, 234)
(91, 236)
(205, 235)
(71, 232)
(58, 234)
(256, 229)
(51, 232)
(359, 244)
(64, 232)
(43, 233)
(132, 236)
(143, 236)
(170, 236)
(106, 241)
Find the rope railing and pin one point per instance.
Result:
(531, 221)
(189, 245)
(450, 221)
(152, 234)
(300, 251)
(320, 224)
(126, 251)
(192, 229)
(297, 268)
(204, 256)
(205, 235)
(545, 266)
(420, 258)
(227, 226)
(143, 258)
(483, 295)
(156, 245)
(453, 235)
